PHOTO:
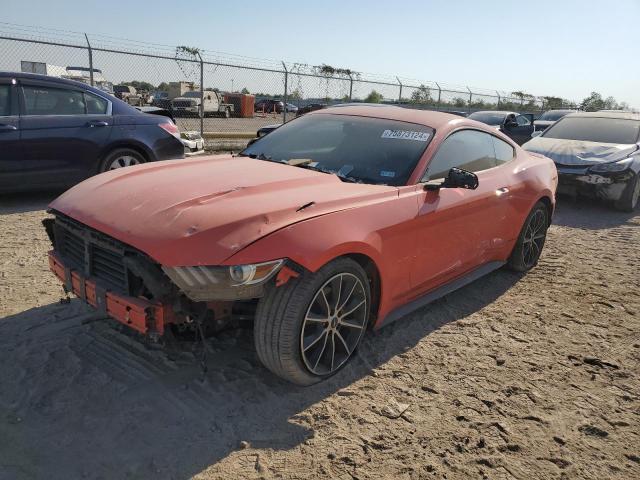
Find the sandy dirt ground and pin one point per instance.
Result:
(526, 377)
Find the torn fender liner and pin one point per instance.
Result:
(577, 152)
(138, 313)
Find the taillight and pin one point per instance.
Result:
(171, 128)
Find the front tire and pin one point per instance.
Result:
(629, 200)
(528, 248)
(307, 329)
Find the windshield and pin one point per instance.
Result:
(368, 150)
(192, 94)
(552, 115)
(594, 129)
(489, 118)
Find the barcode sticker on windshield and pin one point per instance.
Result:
(406, 135)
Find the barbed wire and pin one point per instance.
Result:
(126, 45)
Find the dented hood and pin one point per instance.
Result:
(577, 152)
(202, 211)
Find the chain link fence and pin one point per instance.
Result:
(240, 94)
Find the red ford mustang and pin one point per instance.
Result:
(340, 220)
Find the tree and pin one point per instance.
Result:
(611, 104)
(139, 85)
(373, 97)
(244, 91)
(295, 95)
(421, 95)
(163, 86)
(593, 103)
(459, 102)
(553, 102)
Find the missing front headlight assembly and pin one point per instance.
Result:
(236, 282)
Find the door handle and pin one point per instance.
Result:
(502, 191)
(8, 128)
(98, 123)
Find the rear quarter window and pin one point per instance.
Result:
(504, 151)
(95, 105)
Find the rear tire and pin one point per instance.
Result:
(629, 200)
(528, 248)
(119, 158)
(305, 331)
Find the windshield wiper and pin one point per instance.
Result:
(257, 156)
(316, 168)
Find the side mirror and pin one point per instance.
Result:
(536, 133)
(456, 178)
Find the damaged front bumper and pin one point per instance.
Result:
(580, 180)
(193, 143)
(142, 315)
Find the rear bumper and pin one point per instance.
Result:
(144, 316)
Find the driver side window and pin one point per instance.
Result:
(522, 121)
(470, 150)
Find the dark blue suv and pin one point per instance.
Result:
(56, 132)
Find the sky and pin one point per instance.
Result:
(565, 48)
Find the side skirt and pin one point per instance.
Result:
(439, 292)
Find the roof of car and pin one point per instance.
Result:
(501, 112)
(429, 118)
(622, 115)
(36, 76)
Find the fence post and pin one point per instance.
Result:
(498, 94)
(350, 87)
(201, 93)
(470, 99)
(400, 95)
(90, 60)
(286, 80)
(439, 95)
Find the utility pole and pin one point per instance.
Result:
(201, 93)
(286, 86)
(90, 60)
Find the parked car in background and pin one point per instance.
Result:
(518, 127)
(192, 140)
(312, 107)
(292, 108)
(161, 99)
(344, 219)
(132, 96)
(548, 118)
(189, 104)
(597, 154)
(56, 132)
(458, 112)
(262, 131)
(268, 105)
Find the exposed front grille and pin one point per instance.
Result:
(92, 254)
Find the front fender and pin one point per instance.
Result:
(382, 232)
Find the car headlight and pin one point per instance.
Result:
(209, 283)
(612, 166)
